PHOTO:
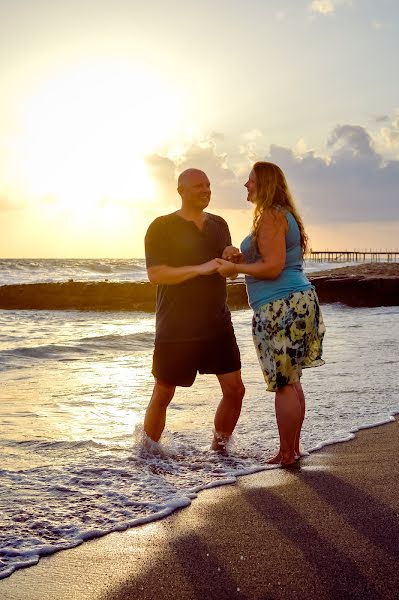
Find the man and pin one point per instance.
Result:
(193, 323)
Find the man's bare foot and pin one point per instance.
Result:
(219, 444)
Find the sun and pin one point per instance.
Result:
(87, 130)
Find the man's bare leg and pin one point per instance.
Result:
(229, 409)
(155, 416)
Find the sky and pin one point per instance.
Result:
(103, 103)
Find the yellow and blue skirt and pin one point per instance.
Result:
(288, 337)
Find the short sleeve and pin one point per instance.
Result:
(226, 233)
(228, 236)
(155, 245)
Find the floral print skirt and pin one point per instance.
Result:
(288, 337)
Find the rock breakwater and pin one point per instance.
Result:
(360, 285)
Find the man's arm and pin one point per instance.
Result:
(165, 275)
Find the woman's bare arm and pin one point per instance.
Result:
(271, 245)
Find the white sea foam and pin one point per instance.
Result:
(71, 468)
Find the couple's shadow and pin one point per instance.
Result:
(268, 542)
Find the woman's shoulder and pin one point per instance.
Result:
(248, 239)
(247, 244)
(274, 216)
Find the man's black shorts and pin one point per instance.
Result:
(177, 363)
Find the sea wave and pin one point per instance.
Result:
(51, 445)
(105, 493)
(10, 358)
(131, 342)
(19, 271)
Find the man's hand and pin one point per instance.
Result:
(226, 268)
(165, 275)
(208, 268)
(232, 254)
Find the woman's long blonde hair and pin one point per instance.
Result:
(272, 193)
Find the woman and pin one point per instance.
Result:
(287, 325)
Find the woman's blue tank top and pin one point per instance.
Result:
(291, 279)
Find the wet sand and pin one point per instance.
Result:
(329, 530)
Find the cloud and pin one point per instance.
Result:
(352, 141)
(389, 135)
(163, 171)
(327, 7)
(201, 155)
(217, 136)
(250, 141)
(324, 7)
(379, 25)
(352, 184)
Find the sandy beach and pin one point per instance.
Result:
(327, 530)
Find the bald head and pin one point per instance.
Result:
(194, 188)
(189, 175)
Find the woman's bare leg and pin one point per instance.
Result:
(288, 416)
(301, 397)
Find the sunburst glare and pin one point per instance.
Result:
(86, 133)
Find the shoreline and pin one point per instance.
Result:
(226, 481)
(348, 474)
(366, 285)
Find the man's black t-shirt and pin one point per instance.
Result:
(195, 309)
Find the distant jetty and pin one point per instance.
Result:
(347, 256)
(358, 285)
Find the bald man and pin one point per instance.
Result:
(194, 332)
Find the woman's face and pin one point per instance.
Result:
(251, 186)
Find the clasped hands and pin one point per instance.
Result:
(225, 266)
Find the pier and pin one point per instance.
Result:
(347, 256)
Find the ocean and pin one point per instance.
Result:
(74, 388)
(16, 271)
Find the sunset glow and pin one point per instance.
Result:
(103, 105)
(86, 132)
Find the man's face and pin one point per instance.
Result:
(195, 190)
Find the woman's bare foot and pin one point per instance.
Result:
(296, 465)
(280, 459)
(276, 459)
